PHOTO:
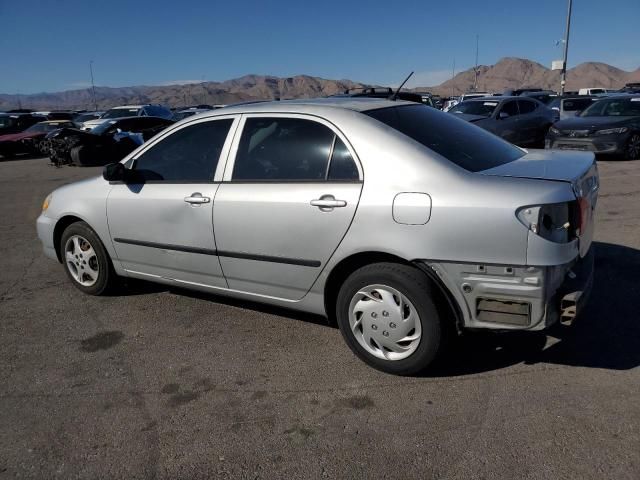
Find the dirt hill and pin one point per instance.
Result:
(249, 87)
(507, 73)
(518, 73)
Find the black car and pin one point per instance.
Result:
(608, 126)
(14, 122)
(520, 120)
(108, 142)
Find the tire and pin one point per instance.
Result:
(382, 333)
(632, 147)
(80, 156)
(86, 261)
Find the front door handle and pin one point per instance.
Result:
(328, 202)
(196, 198)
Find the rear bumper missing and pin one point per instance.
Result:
(508, 297)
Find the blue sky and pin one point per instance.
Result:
(47, 45)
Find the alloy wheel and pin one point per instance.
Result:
(81, 260)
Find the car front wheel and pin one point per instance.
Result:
(632, 149)
(387, 316)
(85, 260)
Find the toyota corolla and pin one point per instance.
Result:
(403, 223)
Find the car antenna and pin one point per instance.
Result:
(395, 95)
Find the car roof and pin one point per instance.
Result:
(357, 104)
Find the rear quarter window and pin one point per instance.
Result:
(460, 142)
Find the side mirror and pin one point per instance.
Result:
(503, 115)
(114, 172)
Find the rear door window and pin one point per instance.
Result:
(526, 106)
(283, 149)
(342, 166)
(460, 142)
(510, 108)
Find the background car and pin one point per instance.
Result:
(520, 120)
(593, 91)
(100, 145)
(12, 122)
(80, 118)
(570, 106)
(28, 140)
(543, 96)
(188, 112)
(609, 126)
(130, 111)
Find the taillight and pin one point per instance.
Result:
(554, 222)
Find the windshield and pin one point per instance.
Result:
(121, 112)
(460, 142)
(38, 128)
(614, 107)
(83, 117)
(475, 108)
(576, 104)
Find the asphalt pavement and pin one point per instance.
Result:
(166, 383)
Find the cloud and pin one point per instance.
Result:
(180, 82)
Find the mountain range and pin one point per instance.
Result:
(507, 73)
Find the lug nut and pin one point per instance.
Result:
(374, 327)
(374, 314)
(385, 313)
(392, 325)
(385, 333)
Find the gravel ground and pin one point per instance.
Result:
(164, 383)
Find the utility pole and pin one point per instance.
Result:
(453, 74)
(563, 76)
(475, 69)
(93, 87)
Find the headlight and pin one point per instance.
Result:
(554, 130)
(46, 202)
(610, 131)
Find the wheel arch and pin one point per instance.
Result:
(445, 300)
(60, 227)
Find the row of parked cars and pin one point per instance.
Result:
(86, 138)
(605, 125)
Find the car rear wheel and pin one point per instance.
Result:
(632, 149)
(388, 317)
(85, 260)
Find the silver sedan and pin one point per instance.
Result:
(402, 223)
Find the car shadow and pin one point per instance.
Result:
(22, 156)
(606, 335)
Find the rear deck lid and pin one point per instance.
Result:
(577, 168)
(562, 165)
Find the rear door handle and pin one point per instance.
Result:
(196, 198)
(328, 202)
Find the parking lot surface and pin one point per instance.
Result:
(165, 383)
